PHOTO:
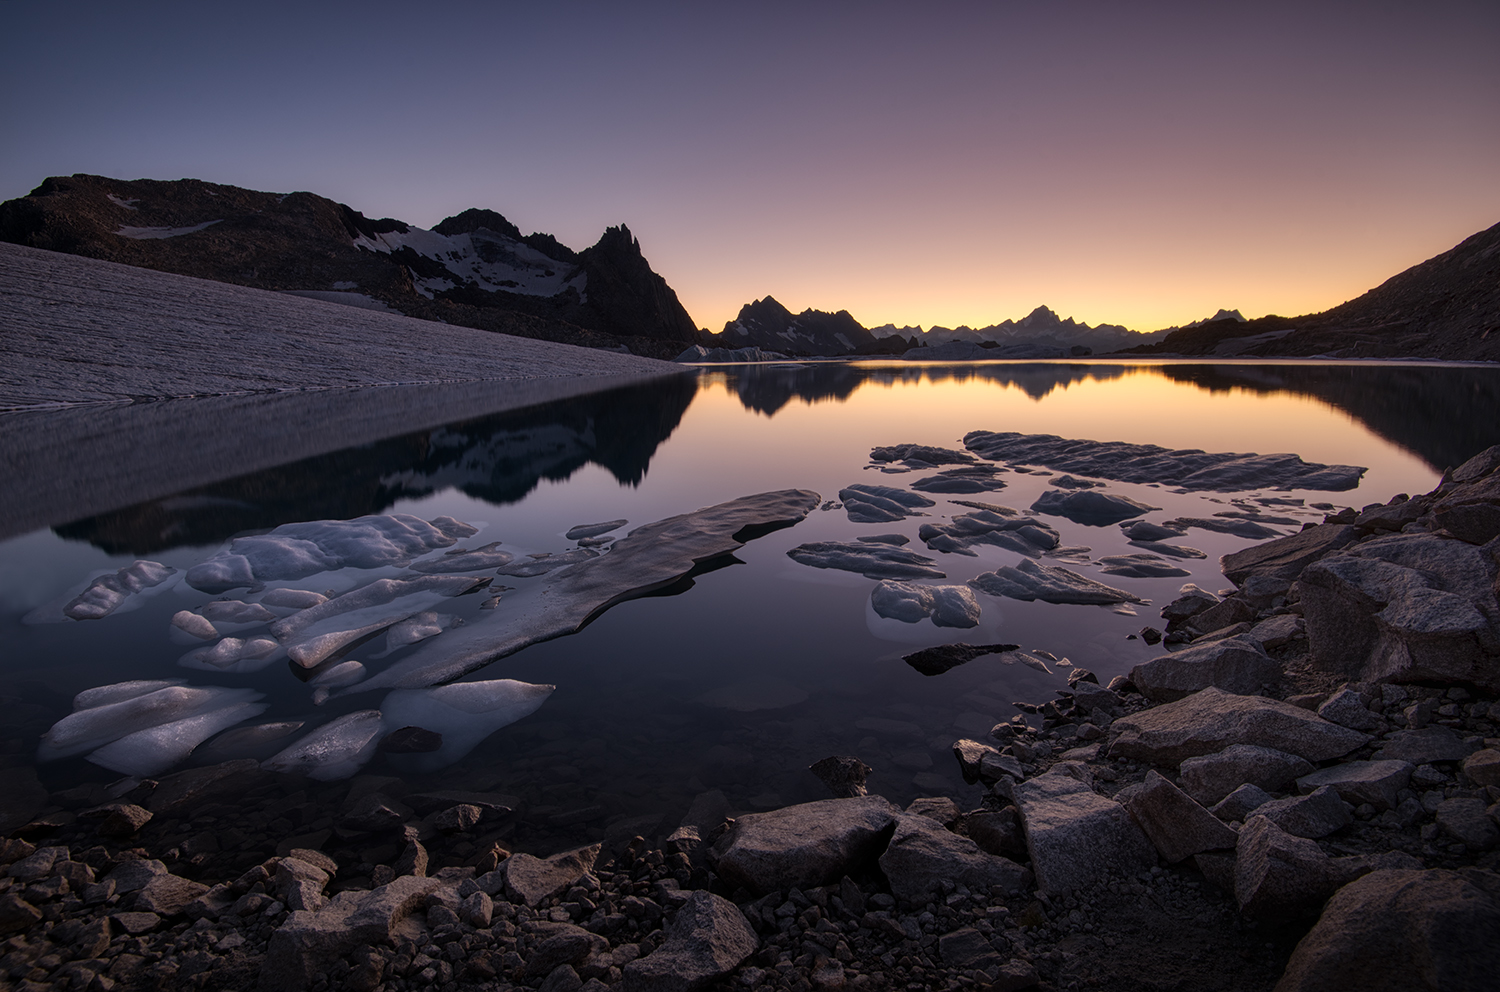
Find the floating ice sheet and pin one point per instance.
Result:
(1141, 566)
(960, 535)
(926, 454)
(881, 504)
(873, 561)
(474, 560)
(106, 594)
(464, 713)
(1170, 550)
(969, 479)
(1093, 509)
(155, 749)
(1227, 525)
(593, 530)
(533, 567)
(1051, 584)
(912, 602)
(1189, 469)
(334, 751)
(233, 654)
(111, 717)
(418, 627)
(650, 557)
(319, 632)
(295, 551)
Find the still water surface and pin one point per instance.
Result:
(740, 677)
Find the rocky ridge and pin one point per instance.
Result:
(474, 269)
(1265, 798)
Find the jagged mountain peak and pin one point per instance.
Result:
(477, 219)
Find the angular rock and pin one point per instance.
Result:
(937, 660)
(1401, 931)
(1075, 835)
(1315, 815)
(1483, 767)
(16, 914)
(1213, 720)
(136, 924)
(558, 945)
(187, 789)
(881, 504)
(970, 754)
(1357, 782)
(122, 819)
(1275, 872)
(1226, 613)
(1465, 820)
(307, 943)
(939, 809)
(1346, 709)
(707, 938)
(1141, 566)
(1277, 631)
(1405, 608)
(805, 845)
(1424, 746)
(1211, 777)
(1286, 557)
(530, 879)
(168, 895)
(1190, 602)
(1239, 804)
(1177, 825)
(39, 864)
(842, 774)
(923, 853)
(1235, 664)
(967, 948)
(132, 876)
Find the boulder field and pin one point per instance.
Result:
(1304, 795)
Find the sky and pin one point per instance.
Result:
(941, 163)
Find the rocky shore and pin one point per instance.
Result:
(1304, 795)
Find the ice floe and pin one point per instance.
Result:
(194, 625)
(233, 611)
(650, 557)
(920, 455)
(418, 627)
(292, 599)
(464, 713)
(873, 561)
(912, 602)
(1145, 530)
(118, 692)
(1141, 566)
(109, 713)
(881, 504)
(541, 565)
(319, 632)
(1227, 525)
(155, 749)
(107, 593)
(471, 560)
(296, 551)
(960, 535)
(1190, 469)
(259, 741)
(333, 751)
(896, 540)
(1093, 509)
(344, 673)
(969, 479)
(1051, 584)
(233, 654)
(593, 530)
(1170, 550)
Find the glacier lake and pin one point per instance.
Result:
(727, 651)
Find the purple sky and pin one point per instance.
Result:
(936, 163)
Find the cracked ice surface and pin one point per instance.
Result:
(1051, 584)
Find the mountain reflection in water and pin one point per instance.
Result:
(1441, 414)
(498, 459)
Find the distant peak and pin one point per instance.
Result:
(474, 219)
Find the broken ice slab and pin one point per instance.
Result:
(292, 599)
(119, 692)
(464, 560)
(319, 632)
(107, 593)
(912, 602)
(594, 530)
(881, 504)
(923, 453)
(194, 625)
(541, 565)
(872, 560)
(1227, 525)
(233, 654)
(648, 558)
(418, 627)
(234, 611)
(1147, 463)
(1052, 584)
(964, 532)
(295, 551)
(464, 713)
(1141, 566)
(1170, 550)
(1090, 508)
(967, 480)
(111, 717)
(334, 751)
(259, 742)
(344, 673)
(156, 749)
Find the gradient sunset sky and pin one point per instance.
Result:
(933, 163)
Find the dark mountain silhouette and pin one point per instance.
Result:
(1447, 307)
(474, 269)
(768, 325)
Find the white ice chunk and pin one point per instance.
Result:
(233, 655)
(292, 599)
(465, 713)
(97, 725)
(236, 611)
(911, 602)
(197, 626)
(344, 673)
(1030, 581)
(105, 594)
(259, 741)
(155, 233)
(334, 751)
(316, 634)
(418, 628)
(118, 692)
(594, 530)
(469, 560)
(154, 750)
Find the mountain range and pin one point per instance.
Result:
(474, 269)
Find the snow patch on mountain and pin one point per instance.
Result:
(153, 233)
(489, 260)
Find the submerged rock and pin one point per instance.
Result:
(844, 775)
(881, 504)
(911, 602)
(1145, 463)
(650, 557)
(960, 535)
(295, 551)
(936, 661)
(334, 751)
(1051, 584)
(873, 561)
(1090, 508)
